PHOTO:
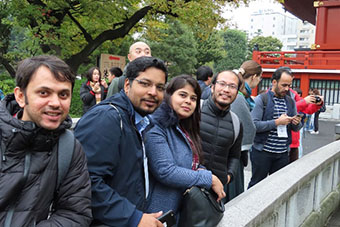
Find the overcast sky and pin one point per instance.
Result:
(240, 17)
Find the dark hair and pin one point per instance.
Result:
(90, 73)
(27, 67)
(278, 72)
(116, 71)
(204, 72)
(316, 91)
(192, 123)
(141, 64)
(240, 80)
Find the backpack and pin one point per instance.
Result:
(234, 119)
(264, 98)
(66, 144)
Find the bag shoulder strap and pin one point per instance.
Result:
(236, 125)
(120, 116)
(66, 145)
(264, 98)
(202, 102)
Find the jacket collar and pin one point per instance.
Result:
(165, 115)
(215, 110)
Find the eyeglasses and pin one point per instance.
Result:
(149, 84)
(231, 86)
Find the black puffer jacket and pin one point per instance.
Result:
(221, 156)
(28, 147)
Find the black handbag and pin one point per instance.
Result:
(200, 208)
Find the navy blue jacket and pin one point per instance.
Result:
(265, 122)
(115, 162)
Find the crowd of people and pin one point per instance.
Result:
(142, 141)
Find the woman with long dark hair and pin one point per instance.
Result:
(94, 90)
(174, 149)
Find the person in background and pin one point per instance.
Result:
(138, 49)
(204, 75)
(322, 108)
(114, 72)
(173, 147)
(309, 126)
(32, 121)
(221, 146)
(274, 116)
(304, 106)
(2, 95)
(94, 90)
(251, 73)
(112, 135)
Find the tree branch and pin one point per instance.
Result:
(75, 60)
(87, 36)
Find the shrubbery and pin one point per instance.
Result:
(76, 104)
(7, 84)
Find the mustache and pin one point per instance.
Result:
(150, 99)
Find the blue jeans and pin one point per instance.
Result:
(265, 163)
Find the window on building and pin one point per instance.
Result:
(273, 18)
(291, 39)
(273, 25)
(302, 39)
(302, 31)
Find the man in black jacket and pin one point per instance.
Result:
(112, 136)
(31, 122)
(221, 149)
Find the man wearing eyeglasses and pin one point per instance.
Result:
(221, 142)
(274, 116)
(112, 137)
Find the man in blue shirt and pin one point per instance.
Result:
(274, 116)
(112, 137)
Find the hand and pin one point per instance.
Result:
(310, 99)
(96, 88)
(217, 187)
(296, 119)
(150, 220)
(283, 120)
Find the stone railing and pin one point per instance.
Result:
(303, 193)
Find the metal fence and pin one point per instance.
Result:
(329, 89)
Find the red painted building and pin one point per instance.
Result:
(320, 66)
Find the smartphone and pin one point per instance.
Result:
(168, 218)
(299, 115)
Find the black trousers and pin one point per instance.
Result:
(265, 163)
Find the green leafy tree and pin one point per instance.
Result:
(268, 43)
(235, 46)
(210, 49)
(177, 46)
(74, 29)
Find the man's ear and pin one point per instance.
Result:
(20, 97)
(127, 86)
(129, 57)
(212, 88)
(274, 83)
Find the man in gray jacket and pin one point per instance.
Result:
(274, 116)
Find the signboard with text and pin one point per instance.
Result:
(108, 60)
